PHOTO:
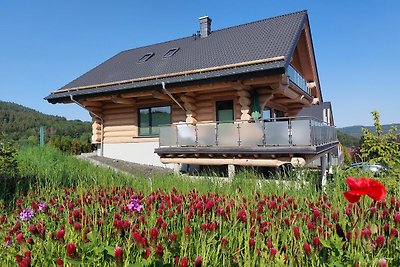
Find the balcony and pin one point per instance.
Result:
(289, 136)
(297, 79)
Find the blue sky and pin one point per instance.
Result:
(46, 44)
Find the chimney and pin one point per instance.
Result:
(205, 26)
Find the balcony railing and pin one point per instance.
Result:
(296, 78)
(280, 132)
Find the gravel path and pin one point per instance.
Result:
(127, 167)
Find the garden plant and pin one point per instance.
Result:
(76, 214)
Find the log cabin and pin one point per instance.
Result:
(227, 97)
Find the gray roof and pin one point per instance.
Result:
(268, 38)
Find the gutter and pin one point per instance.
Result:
(98, 116)
(171, 96)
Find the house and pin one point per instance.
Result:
(219, 97)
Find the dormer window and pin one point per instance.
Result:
(171, 52)
(145, 57)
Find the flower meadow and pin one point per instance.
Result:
(245, 222)
(121, 227)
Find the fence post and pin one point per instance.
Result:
(41, 136)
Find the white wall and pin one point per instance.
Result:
(142, 153)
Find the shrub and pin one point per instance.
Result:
(8, 163)
(381, 148)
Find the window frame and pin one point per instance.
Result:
(171, 52)
(149, 108)
(145, 57)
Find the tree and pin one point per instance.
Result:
(346, 156)
(8, 162)
(380, 148)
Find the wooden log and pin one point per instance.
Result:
(120, 111)
(160, 96)
(226, 161)
(154, 102)
(89, 103)
(244, 101)
(96, 139)
(205, 104)
(123, 101)
(262, 80)
(130, 128)
(108, 140)
(189, 106)
(119, 134)
(212, 95)
(110, 105)
(119, 116)
(243, 93)
(177, 117)
(99, 98)
(119, 122)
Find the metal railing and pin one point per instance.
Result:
(296, 78)
(300, 131)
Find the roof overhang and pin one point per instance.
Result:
(229, 74)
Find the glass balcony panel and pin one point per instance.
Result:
(206, 134)
(186, 135)
(227, 134)
(301, 132)
(276, 133)
(251, 134)
(296, 78)
(168, 136)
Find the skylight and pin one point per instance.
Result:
(171, 52)
(145, 57)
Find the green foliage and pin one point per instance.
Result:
(71, 145)
(381, 148)
(346, 156)
(8, 162)
(347, 139)
(21, 125)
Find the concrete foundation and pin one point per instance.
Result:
(142, 153)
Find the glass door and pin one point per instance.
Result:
(224, 111)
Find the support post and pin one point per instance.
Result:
(231, 171)
(177, 168)
(323, 172)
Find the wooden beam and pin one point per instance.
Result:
(161, 96)
(240, 86)
(123, 101)
(226, 161)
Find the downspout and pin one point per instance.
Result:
(171, 96)
(94, 114)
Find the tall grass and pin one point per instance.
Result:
(48, 167)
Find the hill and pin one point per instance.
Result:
(357, 132)
(347, 140)
(20, 124)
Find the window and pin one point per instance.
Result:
(269, 113)
(150, 120)
(171, 52)
(145, 57)
(224, 111)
